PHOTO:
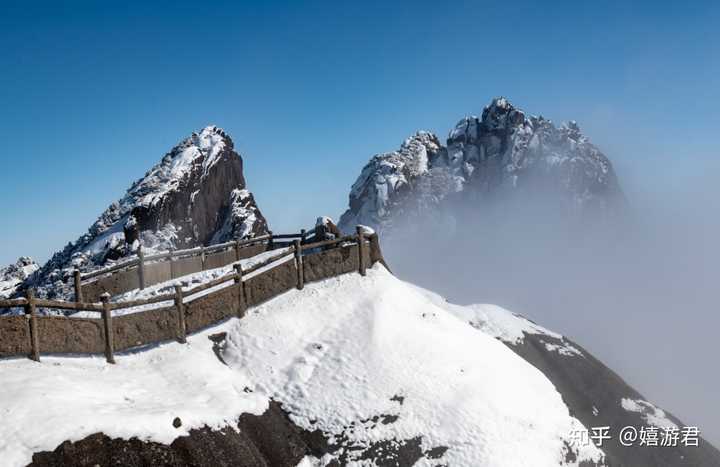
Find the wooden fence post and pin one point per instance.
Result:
(241, 290)
(107, 322)
(303, 236)
(299, 265)
(34, 336)
(361, 249)
(78, 286)
(202, 257)
(271, 241)
(141, 267)
(180, 308)
(237, 250)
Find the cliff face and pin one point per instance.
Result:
(196, 195)
(502, 155)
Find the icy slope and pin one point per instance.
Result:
(594, 393)
(351, 349)
(362, 360)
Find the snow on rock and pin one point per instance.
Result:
(651, 414)
(364, 360)
(350, 349)
(243, 217)
(202, 149)
(196, 195)
(503, 152)
(505, 325)
(13, 275)
(388, 179)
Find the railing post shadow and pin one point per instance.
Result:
(108, 327)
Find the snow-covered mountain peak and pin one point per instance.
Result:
(202, 149)
(502, 114)
(196, 195)
(388, 175)
(503, 152)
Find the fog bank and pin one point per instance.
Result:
(640, 292)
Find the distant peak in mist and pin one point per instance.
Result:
(504, 154)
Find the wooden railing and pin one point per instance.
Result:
(144, 270)
(172, 315)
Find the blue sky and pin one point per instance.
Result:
(94, 93)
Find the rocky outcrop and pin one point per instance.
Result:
(14, 274)
(268, 440)
(503, 154)
(196, 195)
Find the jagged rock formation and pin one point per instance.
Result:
(14, 274)
(500, 155)
(196, 195)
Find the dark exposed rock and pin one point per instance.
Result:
(268, 440)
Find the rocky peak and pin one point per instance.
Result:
(196, 195)
(503, 152)
(389, 176)
(14, 274)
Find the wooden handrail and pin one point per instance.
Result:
(267, 261)
(61, 305)
(210, 284)
(178, 309)
(347, 238)
(176, 254)
(141, 302)
(13, 303)
(113, 268)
